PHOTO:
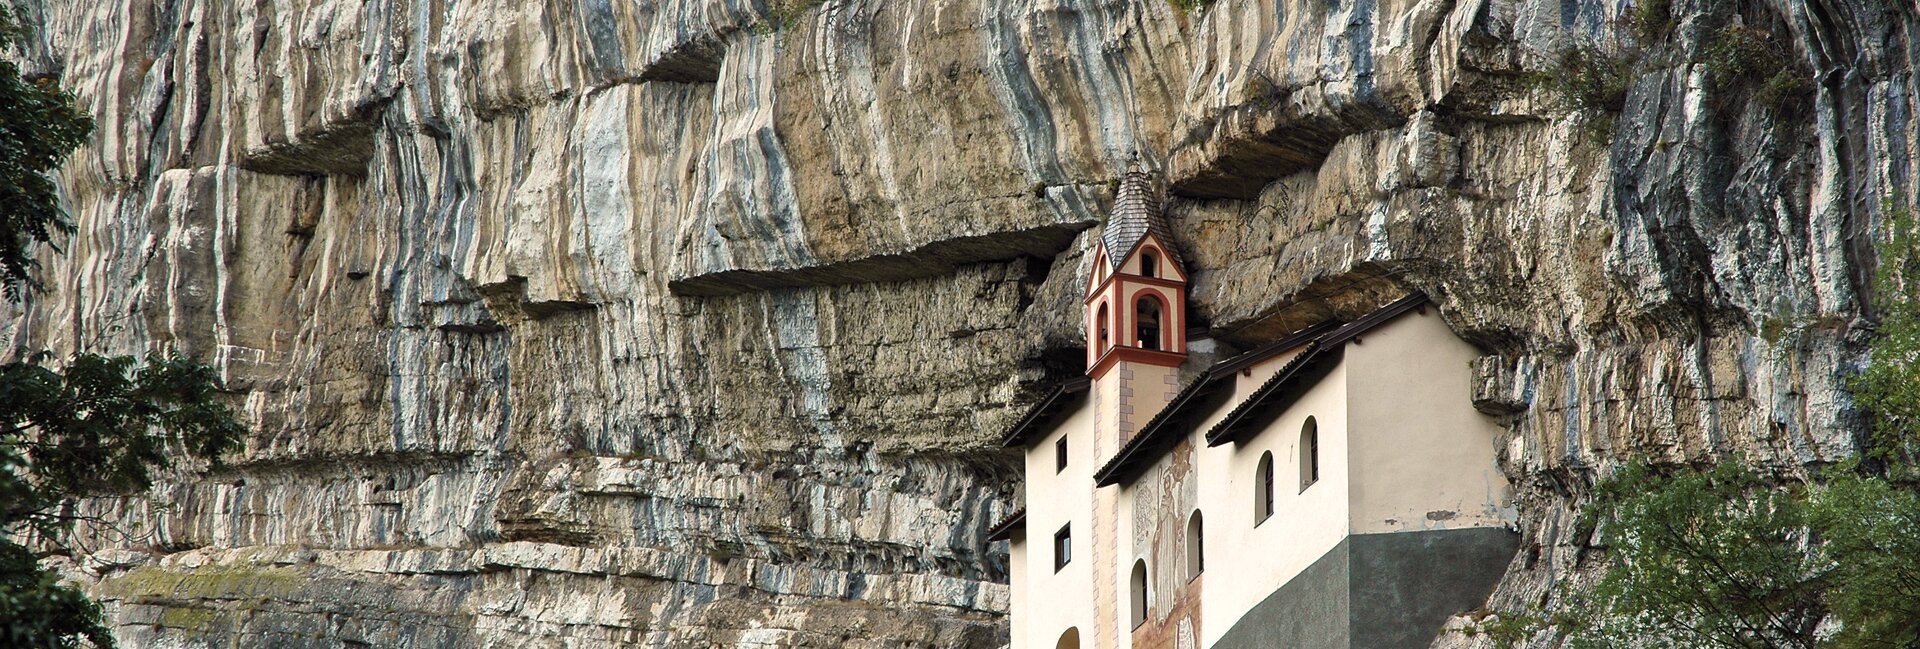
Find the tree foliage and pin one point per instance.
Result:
(1888, 388)
(97, 424)
(1729, 558)
(1871, 530)
(100, 425)
(40, 126)
(1702, 559)
(37, 611)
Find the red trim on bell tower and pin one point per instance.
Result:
(1137, 293)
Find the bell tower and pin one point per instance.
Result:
(1137, 295)
(1135, 312)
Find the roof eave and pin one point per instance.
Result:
(1125, 467)
(1042, 413)
(1289, 384)
(1007, 527)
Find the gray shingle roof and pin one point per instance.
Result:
(1136, 211)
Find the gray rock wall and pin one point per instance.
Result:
(682, 323)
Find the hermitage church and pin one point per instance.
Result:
(1334, 488)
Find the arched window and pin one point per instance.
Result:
(1139, 589)
(1263, 489)
(1146, 322)
(1100, 325)
(1196, 547)
(1069, 640)
(1309, 454)
(1149, 264)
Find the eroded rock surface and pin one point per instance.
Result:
(682, 323)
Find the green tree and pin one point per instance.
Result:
(1727, 558)
(1871, 530)
(39, 127)
(1701, 559)
(97, 424)
(1888, 388)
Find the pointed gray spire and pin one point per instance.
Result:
(1136, 211)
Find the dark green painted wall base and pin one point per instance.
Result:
(1379, 591)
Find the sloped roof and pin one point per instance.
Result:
(1324, 343)
(1042, 413)
(1003, 530)
(1136, 212)
(1279, 391)
(1291, 382)
(1168, 426)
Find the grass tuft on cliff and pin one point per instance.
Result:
(1742, 57)
(1590, 82)
(1190, 6)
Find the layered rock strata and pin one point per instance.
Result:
(692, 324)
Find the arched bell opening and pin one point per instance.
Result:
(1146, 322)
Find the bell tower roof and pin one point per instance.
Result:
(1136, 212)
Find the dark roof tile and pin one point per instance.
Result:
(1042, 413)
(1325, 345)
(1004, 529)
(1136, 212)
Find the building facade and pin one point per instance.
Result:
(1335, 488)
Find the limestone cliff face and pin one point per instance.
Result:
(679, 323)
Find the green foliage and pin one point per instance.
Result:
(1699, 559)
(1588, 78)
(39, 127)
(782, 15)
(98, 424)
(1591, 82)
(1749, 57)
(1888, 388)
(1508, 628)
(1727, 558)
(37, 611)
(1190, 6)
(1651, 20)
(1871, 530)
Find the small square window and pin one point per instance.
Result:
(1062, 547)
(1060, 455)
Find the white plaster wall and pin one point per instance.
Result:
(1422, 457)
(1304, 525)
(1398, 438)
(1121, 568)
(1256, 561)
(1047, 603)
(1017, 622)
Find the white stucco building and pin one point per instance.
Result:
(1332, 489)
